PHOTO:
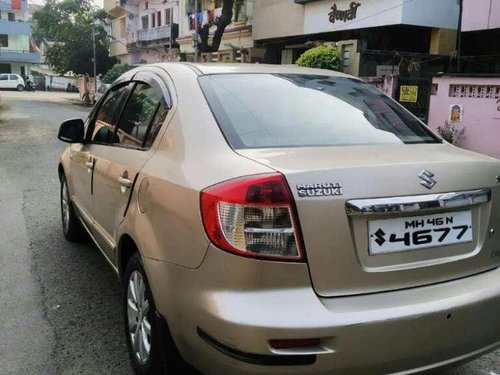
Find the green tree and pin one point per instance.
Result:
(322, 57)
(69, 23)
(115, 72)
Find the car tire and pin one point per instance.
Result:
(72, 228)
(20, 87)
(159, 354)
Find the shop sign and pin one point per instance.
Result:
(408, 94)
(456, 113)
(344, 15)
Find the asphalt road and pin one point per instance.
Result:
(60, 310)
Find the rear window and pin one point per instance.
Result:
(294, 110)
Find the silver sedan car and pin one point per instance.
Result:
(279, 220)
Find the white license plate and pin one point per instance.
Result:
(419, 232)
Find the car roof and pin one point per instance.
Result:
(224, 68)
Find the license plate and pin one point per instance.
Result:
(419, 232)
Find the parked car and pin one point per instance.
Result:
(11, 81)
(281, 220)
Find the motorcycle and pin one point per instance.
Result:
(30, 86)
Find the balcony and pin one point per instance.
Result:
(157, 33)
(115, 8)
(19, 56)
(15, 27)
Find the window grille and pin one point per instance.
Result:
(475, 91)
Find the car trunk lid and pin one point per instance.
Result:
(326, 181)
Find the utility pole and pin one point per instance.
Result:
(196, 2)
(94, 59)
(459, 37)
(171, 21)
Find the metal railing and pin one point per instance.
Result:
(154, 34)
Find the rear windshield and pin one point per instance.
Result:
(295, 110)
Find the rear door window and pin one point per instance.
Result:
(103, 129)
(142, 116)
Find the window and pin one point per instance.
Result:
(4, 40)
(145, 22)
(153, 23)
(168, 16)
(12, 17)
(12, 77)
(142, 117)
(107, 116)
(158, 17)
(307, 110)
(4, 77)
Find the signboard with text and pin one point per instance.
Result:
(408, 94)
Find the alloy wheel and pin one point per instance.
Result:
(65, 207)
(139, 326)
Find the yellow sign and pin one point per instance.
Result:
(408, 94)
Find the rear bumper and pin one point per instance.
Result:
(402, 332)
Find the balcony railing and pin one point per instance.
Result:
(19, 56)
(154, 34)
(15, 27)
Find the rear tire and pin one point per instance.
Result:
(150, 346)
(72, 228)
(20, 87)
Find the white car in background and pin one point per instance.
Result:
(11, 81)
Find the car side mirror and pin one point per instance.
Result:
(72, 131)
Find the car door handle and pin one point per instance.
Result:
(125, 182)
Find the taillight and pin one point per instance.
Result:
(254, 217)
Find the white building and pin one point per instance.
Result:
(143, 31)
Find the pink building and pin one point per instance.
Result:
(478, 101)
(480, 15)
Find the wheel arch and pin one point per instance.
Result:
(127, 246)
(60, 171)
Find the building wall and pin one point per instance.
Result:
(126, 26)
(16, 56)
(432, 13)
(481, 111)
(277, 18)
(481, 15)
(368, 14)
(237, 35)
(313, 17)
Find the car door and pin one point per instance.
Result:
(13, 82)
(117, 167)
(4, 81)
(99, 125)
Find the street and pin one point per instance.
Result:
(61, 310)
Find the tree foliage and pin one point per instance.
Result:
(69, 24)
(322, 57)
(115, 72)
